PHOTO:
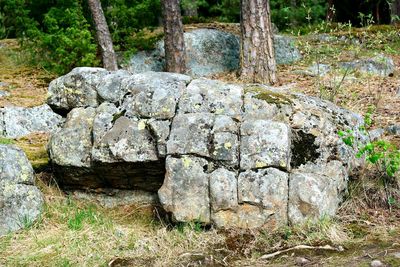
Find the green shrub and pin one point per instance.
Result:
(381, 153)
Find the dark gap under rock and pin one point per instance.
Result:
(303, 148)
(147, 176)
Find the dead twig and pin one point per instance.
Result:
(276, 253)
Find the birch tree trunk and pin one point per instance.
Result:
(103, 35)
(174, 43)
(257, 57)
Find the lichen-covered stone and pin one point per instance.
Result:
(211, 96)
(191, 134)
(185, 190)
(160, 130)
(267, 188)
(130, 141)
(20, 200)
(246, 216)
(111, 86)
(16, 122)
(154, 94)
(315, 190)
(223, 190)
(76, 89)
(264, 143)
(72, 145)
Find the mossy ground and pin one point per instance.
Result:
(79, 233)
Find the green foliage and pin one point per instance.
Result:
(126, 17)
(304, 14)
(6, 141)
(57, 34)
(65, 40)
(382, 154)
(88, 215)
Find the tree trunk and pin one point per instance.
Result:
(257, 57)
(330, 11)
(103, 35)
(190, 8)
(174, 43)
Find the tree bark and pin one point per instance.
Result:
(257, 57)
(330, 11)
(103, 35)
(174, 43)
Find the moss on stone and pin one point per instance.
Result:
(269, 96)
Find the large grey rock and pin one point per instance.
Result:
(72, 145)
(264, 143)
(4, 93)
(209, 52)
(16, 122)
(154, 95)
(111, 86)
(204, 95)
(20, 200)
(185, 190)
(316, 190)
(267, 188)
(190, 134)
(230, 155)
(286, 51)
(76, 89)
(379, 65)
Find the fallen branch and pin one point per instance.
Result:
(276, 253)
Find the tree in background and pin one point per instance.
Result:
(103, 35)
(257, 58)
(174, 43)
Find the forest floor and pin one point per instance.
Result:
(73, 232)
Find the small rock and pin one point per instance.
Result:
(396, 255)
(300, 261)
(377, 263)
(379, 65)
(398, 92)
(376, 134)
(393, 129)
(3, 84)
(3, 93)
(316, 70)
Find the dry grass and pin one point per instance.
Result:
(27, 85)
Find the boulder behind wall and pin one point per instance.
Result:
(210, 52)
(232, 155)
(20, 200)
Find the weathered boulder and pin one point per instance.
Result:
(20, 200)
(76, 89)
(16, 122)
(227, 154)
(379, 65)
(209, 52)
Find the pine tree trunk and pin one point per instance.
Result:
(103, 35)
(173, 37)
(330, 11)
(257, 57)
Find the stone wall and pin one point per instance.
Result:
(232, 155)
